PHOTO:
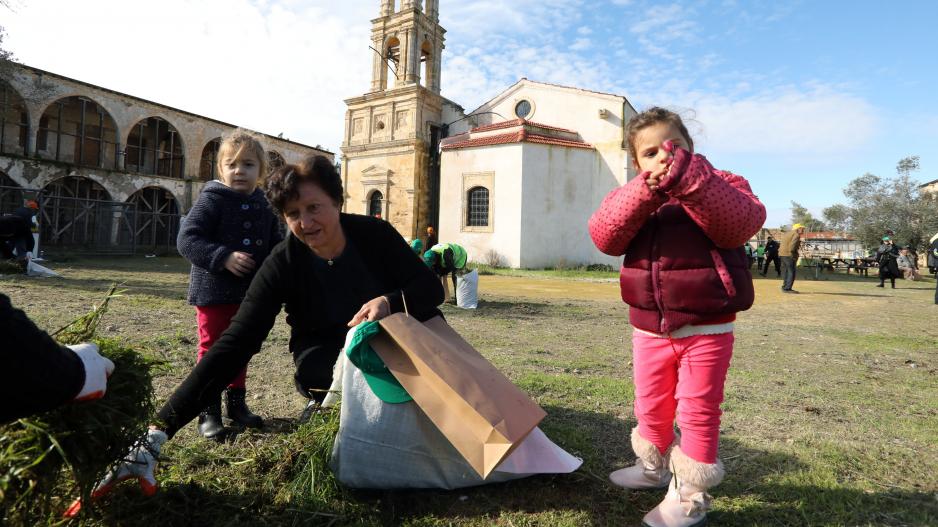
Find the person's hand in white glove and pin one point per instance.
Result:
(97, 371)
(140, 463)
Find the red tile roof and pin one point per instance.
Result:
(519, 136)
(518, 122)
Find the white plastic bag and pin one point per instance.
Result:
(467, 290)
(34, 269)
(395, 446)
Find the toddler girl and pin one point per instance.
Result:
(681, 225)
(226, 235)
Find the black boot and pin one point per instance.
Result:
(238, 409)
(210, 425)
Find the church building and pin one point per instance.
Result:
(513, 181)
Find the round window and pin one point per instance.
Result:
(523, 109)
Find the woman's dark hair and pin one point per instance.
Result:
(283, 184)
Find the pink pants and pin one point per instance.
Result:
(213, 321)
(685, 375)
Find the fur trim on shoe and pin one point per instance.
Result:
(693, 472)
(646, 450)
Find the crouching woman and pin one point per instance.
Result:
(332, 272)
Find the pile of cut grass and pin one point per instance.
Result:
(49, 458)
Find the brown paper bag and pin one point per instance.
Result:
(473, 404)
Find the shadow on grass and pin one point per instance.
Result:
(206, 503)
(761, 488)
(841, 294)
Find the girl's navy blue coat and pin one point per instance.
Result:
(221, 222)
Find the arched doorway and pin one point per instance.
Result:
(77, 213)
(154, 146)
(155, 219)
(14, 121)
(209, 160)
(375, 204)
(79, 131)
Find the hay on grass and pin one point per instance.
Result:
(50, 458)
(11, 267)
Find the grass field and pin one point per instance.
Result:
(831, 413)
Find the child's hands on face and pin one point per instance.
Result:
(240, 264)
(653, 178)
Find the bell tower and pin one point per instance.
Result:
(390, 159)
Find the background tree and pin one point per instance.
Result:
(877, 205)
(800, 214)
(837, 217)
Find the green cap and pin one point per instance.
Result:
(379, 378)
(417, 245)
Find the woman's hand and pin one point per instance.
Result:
(374, 309)
(240, 264)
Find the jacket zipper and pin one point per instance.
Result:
(655, 275)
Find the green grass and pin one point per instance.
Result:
(831, 412)
(574, 272)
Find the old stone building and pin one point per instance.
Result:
(390, 161)
(112, 172)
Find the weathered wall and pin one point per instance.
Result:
(504, 236)
(559, 195)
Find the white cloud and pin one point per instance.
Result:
(813, 121)
(273, 67)
(580, 44)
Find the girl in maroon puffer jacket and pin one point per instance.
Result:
(681, 225)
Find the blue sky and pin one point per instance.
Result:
(799, 97)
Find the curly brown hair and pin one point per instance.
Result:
(654, 115)
(283, 183)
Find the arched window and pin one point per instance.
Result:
(155, 147)
(14, 121)
(375, 202)
(477, 210)
(79, 131)
(392, 54)
(209, 160)
(426, 63)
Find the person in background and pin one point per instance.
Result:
(417, 246)
(446, 259)
(226, 236)
(681, 225)
(886, 256)
(771, 255)
(749, 256)
(933, 261)
(760, 256)
(431, 237)
(38, 374)
(906, 263)
(16, 236)
(788, 253)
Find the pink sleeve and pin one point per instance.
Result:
(721, 203)
(621, 214)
